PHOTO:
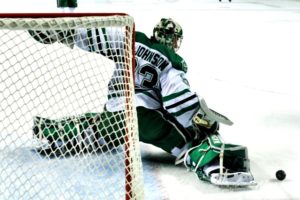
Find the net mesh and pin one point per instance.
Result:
(68, 127)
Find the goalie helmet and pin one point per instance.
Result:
(169, 33)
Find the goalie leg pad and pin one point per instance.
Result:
(212, 150)
(90, 132)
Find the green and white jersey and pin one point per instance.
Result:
(161, 80)
(160, 74)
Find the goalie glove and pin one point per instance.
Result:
(208, 120)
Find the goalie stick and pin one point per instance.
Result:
(213, 114)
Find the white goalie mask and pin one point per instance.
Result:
(169, 33)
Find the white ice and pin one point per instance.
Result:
(243, 58)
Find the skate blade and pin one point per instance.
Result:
(252, 183)
(239, 179)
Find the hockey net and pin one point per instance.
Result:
(57, 139)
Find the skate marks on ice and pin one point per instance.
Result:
(81, 176)
(268, 186)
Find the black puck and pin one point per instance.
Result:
(280, 175)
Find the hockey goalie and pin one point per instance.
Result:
(170, 115)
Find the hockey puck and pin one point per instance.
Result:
(280, 175)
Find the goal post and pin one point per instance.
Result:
(68, 123)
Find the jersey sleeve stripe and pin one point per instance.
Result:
(174, 95)
(98, 38)
(114, 94)
(91, 41)
(186, 109)
(181, 102)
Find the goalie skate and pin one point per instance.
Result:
(236, 179)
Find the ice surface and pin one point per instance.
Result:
(243, 58)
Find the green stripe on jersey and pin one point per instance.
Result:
(186, 109)
(174, 95)
(91, 41)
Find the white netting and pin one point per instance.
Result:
(57, 140)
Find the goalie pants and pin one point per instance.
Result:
(160, 129)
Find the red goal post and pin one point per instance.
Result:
(58, 83)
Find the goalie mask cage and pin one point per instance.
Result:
(57, 139)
